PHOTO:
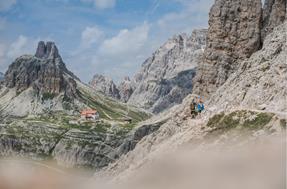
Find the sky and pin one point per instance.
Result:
(109, 37)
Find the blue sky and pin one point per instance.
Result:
(110, 37)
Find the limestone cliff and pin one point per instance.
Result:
(105, 85)
(274, 14)
(233, 35)
(260, 81)
(237, 29)
(126, 89)
(45, 72)
(165, 78)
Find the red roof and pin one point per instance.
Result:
(88, 112)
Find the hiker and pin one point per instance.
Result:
(193, 106)
(200, 106)
(196, 106)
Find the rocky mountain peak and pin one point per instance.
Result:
(47, 51)
(45, 72)
(126, 88)
(105, 85)
(165, 78)
(127, 78)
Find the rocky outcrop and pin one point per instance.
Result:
(86, 149)
(274, 14)
(126, 89)
(165, 78)
(45, 72)
(39, 83)
(237, 29)
(105, 85)
(135, 136)
(260, 81)
(47, 51)
(233, 35)
(70, 148)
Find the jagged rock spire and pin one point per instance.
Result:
(105, 85)
(47, 51)
(45, 72)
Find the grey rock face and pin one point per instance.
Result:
(81, 149)
(165, 78)
(105, 85)
(68, 147)
(233, 35)
(274, 14)
(237, 29)
(47, 51)
(45, 72)
(126, 89)
(260, 81)
(35, 141)
(134, 137)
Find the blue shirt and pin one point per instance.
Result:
(200, 107)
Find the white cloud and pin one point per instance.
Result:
(116, 56)
(8, 52)
(102, 4)
(18, 47)
(6, 4)
(90, 36)
(126, 41)
(22, 45)
(123, 53)
(194, 15)
(3, 23)
(2, 52)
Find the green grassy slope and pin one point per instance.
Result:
(109, 108)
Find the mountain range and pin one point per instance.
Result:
(40, 106)
(164, 79)
(238, 66)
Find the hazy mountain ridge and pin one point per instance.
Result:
(105, 85)
(165, 78)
